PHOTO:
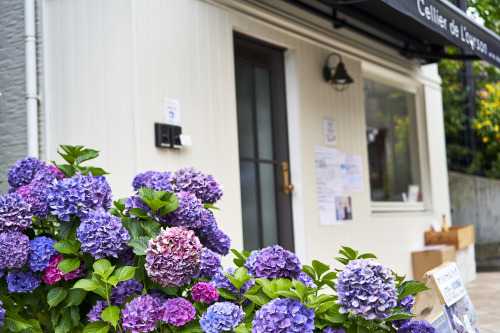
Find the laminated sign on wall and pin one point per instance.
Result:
(447, 306)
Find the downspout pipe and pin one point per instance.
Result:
(31, 78)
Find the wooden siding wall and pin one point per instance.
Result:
(112, 62)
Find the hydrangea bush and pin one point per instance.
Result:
(74, 260)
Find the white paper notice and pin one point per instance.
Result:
(449, 283)
(352, 171)
(328, 182)
(172, 112)
(330, 132)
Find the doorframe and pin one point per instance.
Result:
(294, 140)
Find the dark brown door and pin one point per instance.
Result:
(263, 144)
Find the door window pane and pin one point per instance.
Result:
(264, 121)
(268, 202)
(392, 142)
(250, 205)
(245, 109)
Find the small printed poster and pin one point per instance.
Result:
(352, 173)
(330, 132)
(172, 112)
(449, 283)
(328, 184)
(343, 208)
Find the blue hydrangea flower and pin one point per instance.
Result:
(102, 234)
(14, 249)
(2, 313)
(47, 174)
(142, 179)
(366, 288)
(22, 282)
(15, 213)
(42, 248)
(407, 304)
(23, 172)
(36, 193)
(210, 264)
(221, 317)
(249, 262)
(211, 236)
(188, 213)
(160, 181)
(124, 290)
(274, 261)
(219, 280)
(204, 187)
(306, 280)
(283, 315)
(420, 326)
(78, 195)
(141, 314)
(333, 330)
(95, 313)
(135, 201)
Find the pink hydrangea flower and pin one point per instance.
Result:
(52, 274)
(203, 291)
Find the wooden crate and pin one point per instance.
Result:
(459, 236)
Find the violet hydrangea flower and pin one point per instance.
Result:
(249, 262)
(141, 314)
(306, 280)
(135, 201)
(2, 313)
(210, 263)
(283, 315)
(419, 326)
(407, 304)
(124, 290)
(42, 248)
(203, 291)
(47, 174)
(14, 249)
(219, 280)
(22, 282)
(178, 311)
(210, 235)
(102, 234)
(366, 288)
(15, 213)
(221, 317)
(187, 214)
(173, 258)
(78, 195)
(204, 187)
(36, 193)
(274, 261)
(23, 172)
(142, 179)
(95, 313)
(160, 181)
(127, 256)
(333, 330)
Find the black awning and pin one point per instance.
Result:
(417, 28)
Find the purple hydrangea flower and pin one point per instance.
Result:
(420, 326)
(221, 317)
(160, 181)
(249, 262)
(210, 235)
(23, 172)
(14, 249)
(205, 292)
(160, 296)
(210, 264)
(78, 195)
(366, 288)
(306, 280)
(124, 290)
(204, 187)
(47, 174)
(36, 193)
(273, 262)
(221, 281)
(141, 314)
(15, 213)
(178, 311)
(95, 313)
(173, 258)
(42, 248)
(102, 234)
(135, 201)
(22, 282)
(333, 330)
(187, 214)
(407, 304)
(283, 315)
(2, 313)
(127, 256)
(142, 179)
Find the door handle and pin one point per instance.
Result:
(287, 187)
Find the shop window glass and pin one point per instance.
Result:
(394, 166)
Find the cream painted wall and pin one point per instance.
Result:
(112, 62)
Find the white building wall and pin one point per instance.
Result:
(112, 62)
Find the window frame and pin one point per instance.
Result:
(411, 85)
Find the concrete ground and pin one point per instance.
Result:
(485, 295)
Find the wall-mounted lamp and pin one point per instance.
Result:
(337, 76)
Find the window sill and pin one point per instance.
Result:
(398, 207)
